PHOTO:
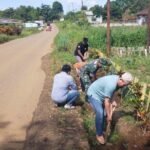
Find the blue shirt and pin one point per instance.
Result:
(103, 87)
(61, 85)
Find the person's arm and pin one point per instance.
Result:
(80, 54)
(114, 103)
(86, 55)
(107, 105)
(72, 84)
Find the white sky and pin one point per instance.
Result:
(68, 5)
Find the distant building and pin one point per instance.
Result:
(99, 19)
(93, 19)
(40, 23)
(9, 21)
(34, 24)
(30, 25)
(62, 19)
(142, 16)
(90, 16)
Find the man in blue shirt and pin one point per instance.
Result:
(100, 94)
(64, 90)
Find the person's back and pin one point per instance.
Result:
(100, 97)
(64, 90)
(103, 87)
(88, 73)
(60, 86)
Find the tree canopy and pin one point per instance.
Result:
(28, 13)
(121, 7)
(97, 10)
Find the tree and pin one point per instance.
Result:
(84, 8)
(57, 10)
(8, 13)
(97, 10)
(132, 5)
(139, 5)
(71, 16)
(21, 13)
(46, 12)
(116, 9)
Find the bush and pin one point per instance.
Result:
(5, 38)
(10, 30)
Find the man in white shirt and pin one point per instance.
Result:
(64, 90)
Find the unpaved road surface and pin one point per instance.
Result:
(21, 82)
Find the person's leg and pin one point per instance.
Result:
(78, 58)
(86, 82)
(72, 97)
(99, 118)
(59, 104)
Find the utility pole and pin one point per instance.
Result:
(73, 8)
(81, 4)
(108, 28)
(148, 28)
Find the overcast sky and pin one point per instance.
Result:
(68, 5)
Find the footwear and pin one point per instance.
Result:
(100, 139)
(67, 106)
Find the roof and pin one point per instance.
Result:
(89, 13)
(143, 12)
(9, 21)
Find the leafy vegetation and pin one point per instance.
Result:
(25, 32)
(120, 8)
(28, 13)
(72, 33)
(136, 65)
(10, 30)
(5, 38)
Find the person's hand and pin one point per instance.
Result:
(86, 56)
(109, 118)
(114, 104)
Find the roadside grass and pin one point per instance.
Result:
(5, 38)
(72, 33)
(139, 66)
(25, 32)
(29, 31)
(114, 138)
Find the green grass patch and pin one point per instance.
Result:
(29, 31)
(114, 137)
(129, 119)
(71, 33)
(64, 57)
(25, 32)
(139, 66)
(5, 38)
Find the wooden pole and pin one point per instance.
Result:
(108, 28)
(148, 28)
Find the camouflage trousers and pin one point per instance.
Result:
(85, 82)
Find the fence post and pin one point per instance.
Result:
(145, 52)
(148, 102)
(143, 91)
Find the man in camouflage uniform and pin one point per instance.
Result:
(88, 72)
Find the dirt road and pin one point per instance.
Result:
(21, 82)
